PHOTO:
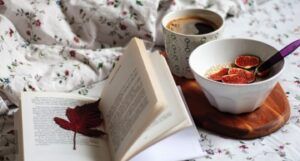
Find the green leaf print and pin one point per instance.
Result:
(138, 2)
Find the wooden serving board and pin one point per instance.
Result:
(268, 118)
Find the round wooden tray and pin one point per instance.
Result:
(268, 118)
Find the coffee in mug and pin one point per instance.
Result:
(191, 25)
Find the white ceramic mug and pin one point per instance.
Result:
(179, 46)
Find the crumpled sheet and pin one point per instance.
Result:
(67, 45)
(72, 45)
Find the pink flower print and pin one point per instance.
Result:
(72, 53)
(118, 58)
(210, 152)
(28, 32)
(122, 26)
(173, 2)
(67, 73)
(76, 39)
(1, 2)
(281, 147)
(37, 23)
(109, 2)
(148, 36)
(245, 1)
(31, 87)
(243, 147)
(124, 13)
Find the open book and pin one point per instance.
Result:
(144, 115)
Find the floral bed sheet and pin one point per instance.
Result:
(71, 46)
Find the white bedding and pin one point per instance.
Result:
(71, 45)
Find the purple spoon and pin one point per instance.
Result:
(277, 57)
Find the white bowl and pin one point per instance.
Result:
(233, 98)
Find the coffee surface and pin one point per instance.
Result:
(191, 26)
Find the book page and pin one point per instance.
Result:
(131, 99)
(183, 145)
(175, 116)
(44, 140)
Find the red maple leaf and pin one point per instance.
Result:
(82, 119)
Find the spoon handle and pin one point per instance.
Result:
(279, 55)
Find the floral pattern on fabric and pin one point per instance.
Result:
(71, 46)
(276, 23)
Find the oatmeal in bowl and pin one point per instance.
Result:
(222, 69)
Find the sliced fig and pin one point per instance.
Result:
(247, 61)
(217, 76)
(234, 79)
(248, 75)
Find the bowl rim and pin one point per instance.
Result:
(237, 85)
